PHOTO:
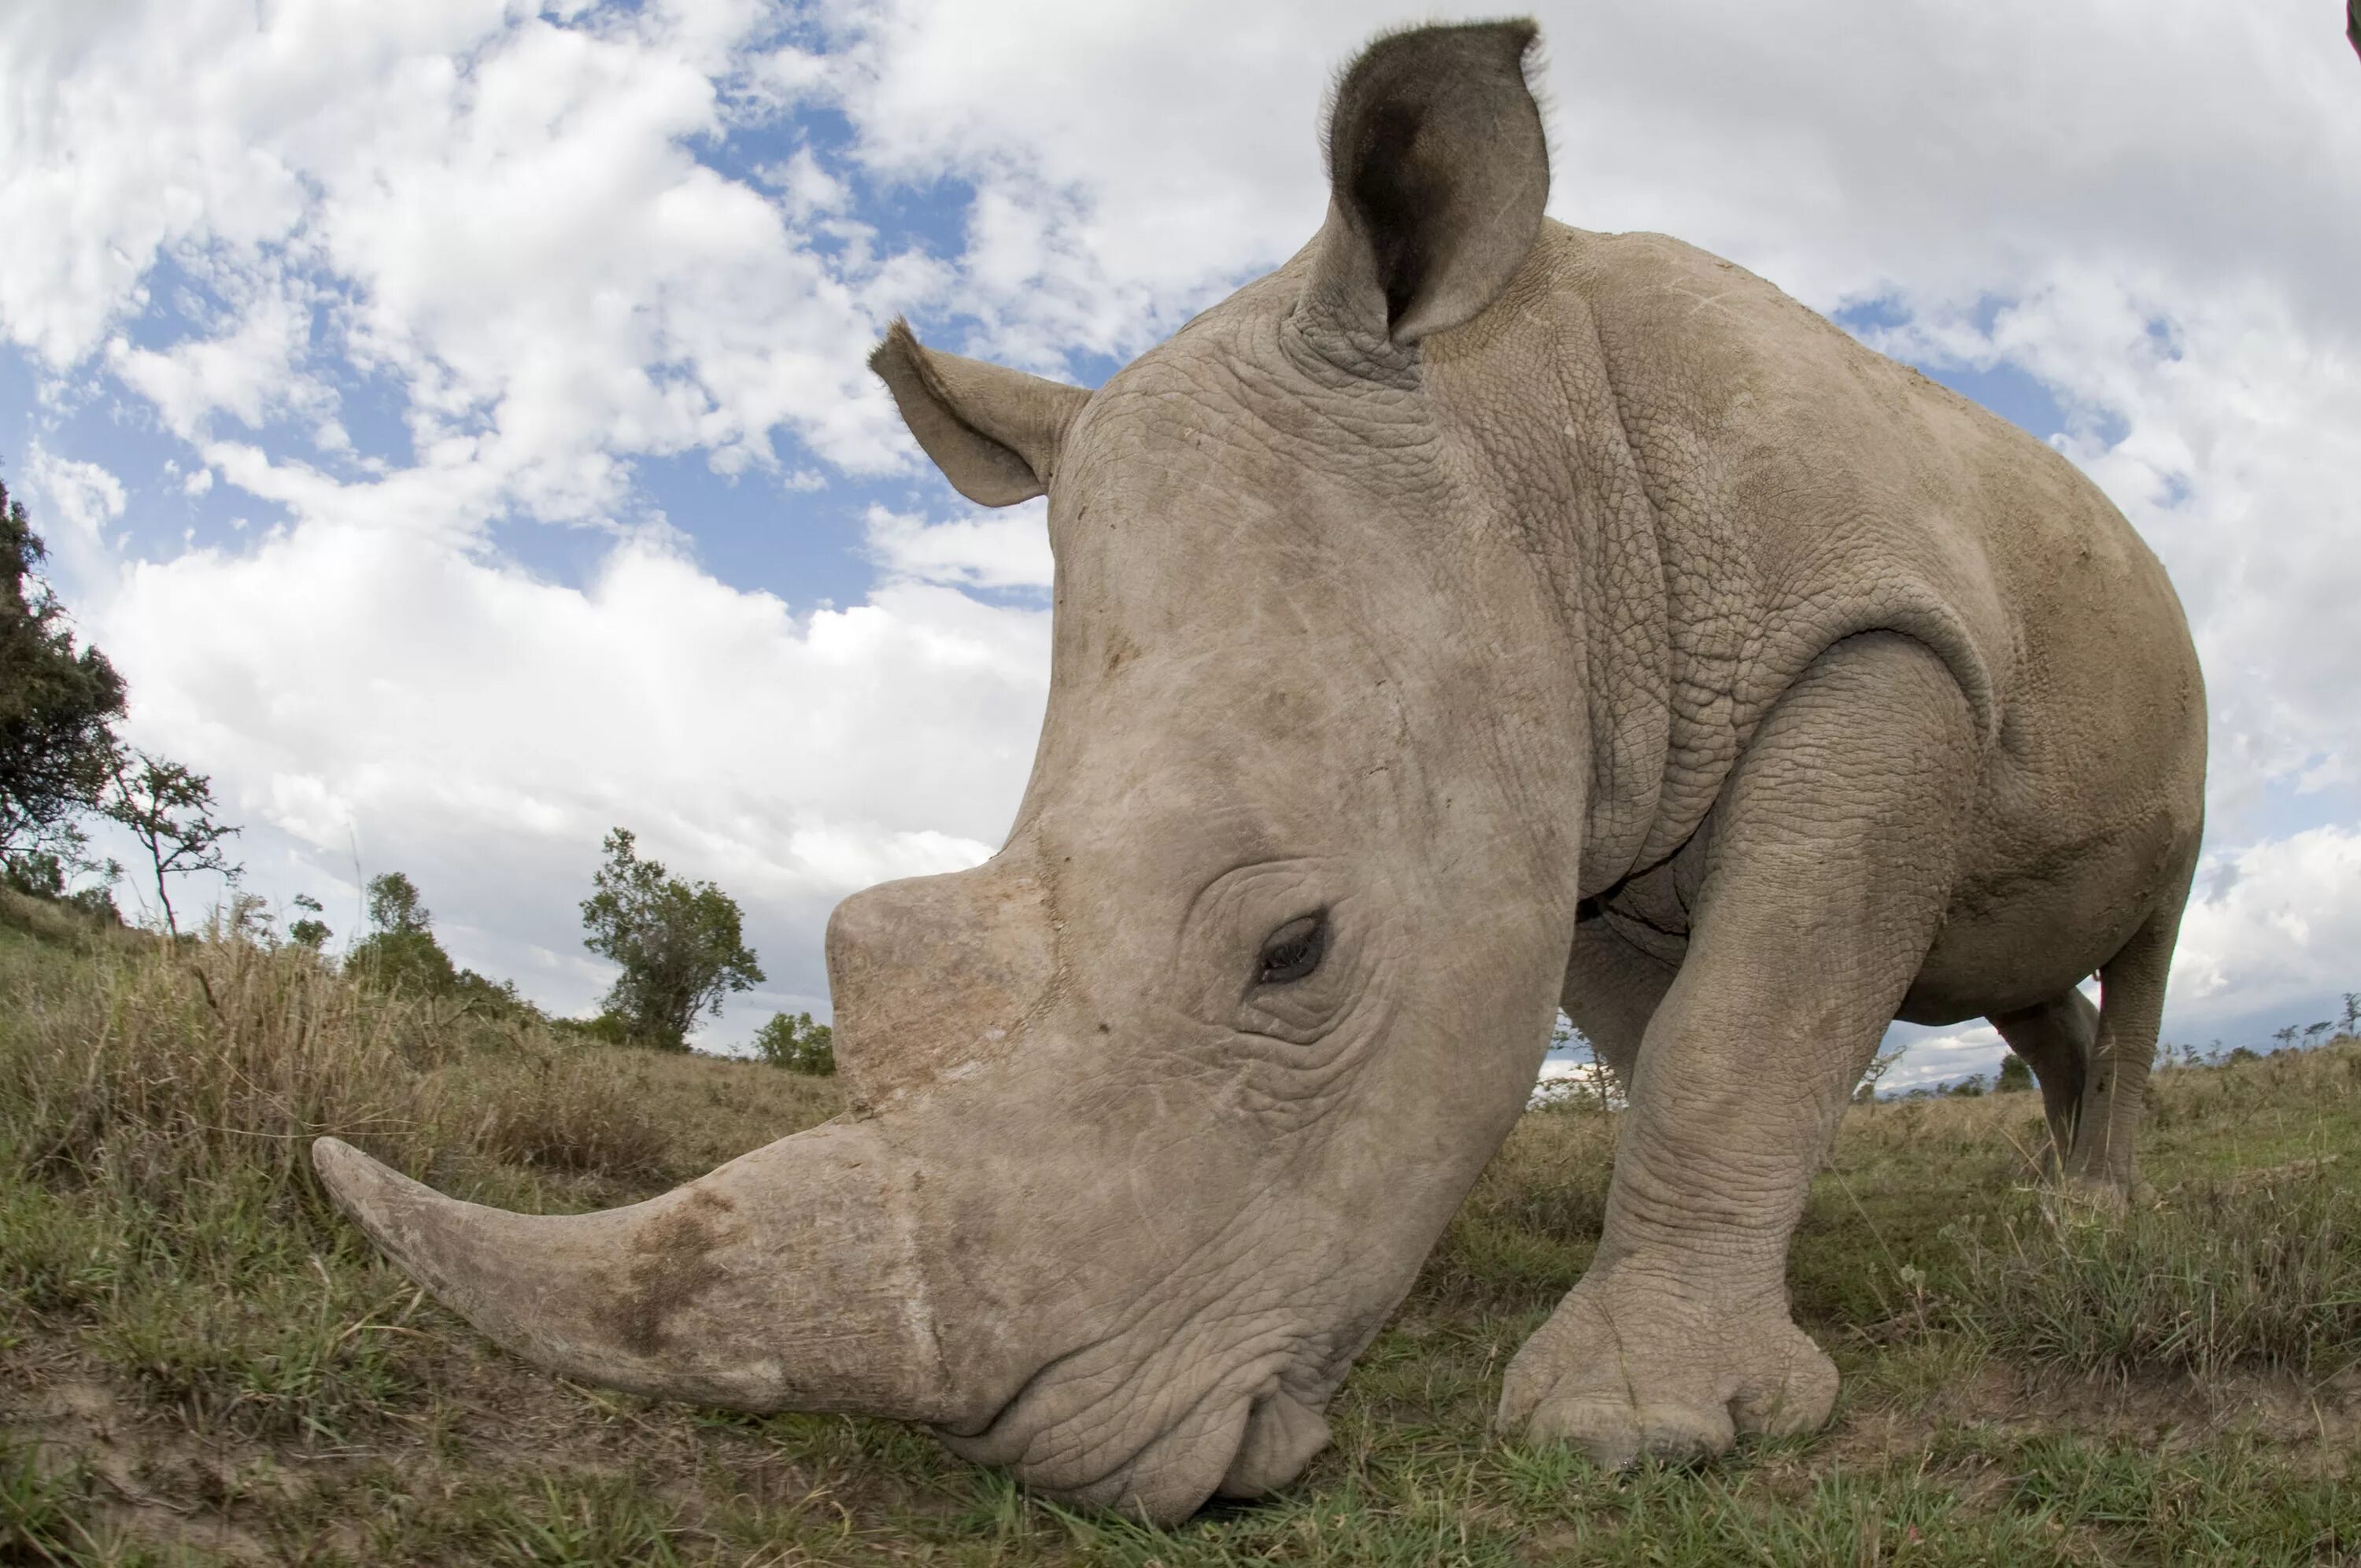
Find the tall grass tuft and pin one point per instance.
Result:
(173, 1065)
(540, 1109)
(2228, 1274)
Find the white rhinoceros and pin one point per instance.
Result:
(1476, 616)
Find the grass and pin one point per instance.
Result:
(199, 1362)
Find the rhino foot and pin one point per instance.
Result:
(1626, 1367)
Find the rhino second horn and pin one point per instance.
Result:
(787, 1279)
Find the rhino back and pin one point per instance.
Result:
(1804, 487)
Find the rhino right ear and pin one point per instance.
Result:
(1438, 172)
(995, 433)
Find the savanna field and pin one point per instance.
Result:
(202, 1363)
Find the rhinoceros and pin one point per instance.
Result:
(1476, 617)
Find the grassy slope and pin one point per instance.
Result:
(199, 1363)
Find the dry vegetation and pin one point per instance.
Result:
(199, 1362)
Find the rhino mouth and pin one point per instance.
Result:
(1241, 1434)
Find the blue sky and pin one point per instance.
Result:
(458, 430)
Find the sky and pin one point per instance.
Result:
(451, 417)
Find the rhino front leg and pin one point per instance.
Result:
(1826, 874)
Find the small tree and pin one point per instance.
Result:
(58, 703)
(681, 943)
(308, 930)
(793, 1041)
(2352, 1013)
(169, 810)
(401, 951)
(2016, 1075)
(2286, 1037)
(2314, 1033)
(1879, 1065)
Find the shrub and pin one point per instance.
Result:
(793, 1041)
(606, 1029)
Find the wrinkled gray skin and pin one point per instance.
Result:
(1474, 617)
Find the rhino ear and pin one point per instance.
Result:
(995, 433)
(1438, 173)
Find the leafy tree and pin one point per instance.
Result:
(2016, 1075)
(2352, 1012)
(681, 943)
(2286, 1037)
(169, 810)
(793, 1041)
(58, 704)
(308, 930)
(396, 908)
(399, 953)
(1969, 1088)
(2314, 1033)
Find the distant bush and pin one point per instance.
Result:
(793, 1041)
(38, 874)
(2016, 1075)
(609, 1028)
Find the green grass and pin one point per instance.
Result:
(200, 1363)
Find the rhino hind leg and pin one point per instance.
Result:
(2103, 1160)
(1830, 864)
(2058, 1039)
(1612, 989)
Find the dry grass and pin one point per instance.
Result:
(200, 1363)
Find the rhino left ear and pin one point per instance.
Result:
(1438, 173)
(995, 433)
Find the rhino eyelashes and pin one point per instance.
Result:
(1293, 950)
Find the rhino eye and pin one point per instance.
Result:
(1293, 950)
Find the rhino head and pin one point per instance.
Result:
(1159, 1111)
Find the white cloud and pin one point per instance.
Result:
(500, 215)
(355, 689)
(2272, 929)
(84, 496)
(250, 370)
(1006, 549)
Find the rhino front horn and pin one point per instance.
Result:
(787, 1279)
